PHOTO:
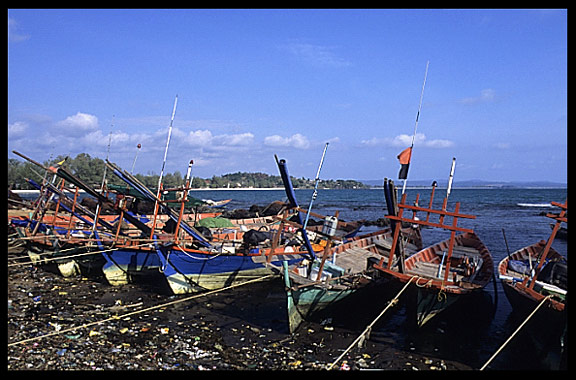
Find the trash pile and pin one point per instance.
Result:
(53, 324)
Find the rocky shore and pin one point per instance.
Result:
(244, 328)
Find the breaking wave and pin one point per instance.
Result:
(534, 204)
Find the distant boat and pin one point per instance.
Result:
(216, 204)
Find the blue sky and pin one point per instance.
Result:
(254, 83)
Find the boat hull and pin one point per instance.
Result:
(303, 303)
(548, 327)
(69, 259)
(352, 276)
(430, 304)
(122, 264)
(431, 294)
(190, 272)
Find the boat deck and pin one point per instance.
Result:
(355, 260)
(431, 269)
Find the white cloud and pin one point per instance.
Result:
(78, 124)
(119, 140)
(241, 139)
(297, 141)
(17, 129)
(404, 140)
(199, 138)
(486, 95)
(502, 145)
(205, 138)
(317, 55)
(14, 32)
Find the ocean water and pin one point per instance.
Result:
(472, 333)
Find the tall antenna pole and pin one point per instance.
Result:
(167, 143)
(451, 177)
(417, 117)
(159, 191)
(107, 154)
(97, 213)
(135, 157)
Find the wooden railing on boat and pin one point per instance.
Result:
(441, 224)
(562, 217)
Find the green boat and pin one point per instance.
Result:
(347, 270)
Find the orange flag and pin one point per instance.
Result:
(404, 158)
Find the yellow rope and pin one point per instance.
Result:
(141, 310)
(369, 328)
(515, 332)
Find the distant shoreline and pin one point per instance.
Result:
(369, 188)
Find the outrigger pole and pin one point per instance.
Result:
(416, 124)
(315, 193)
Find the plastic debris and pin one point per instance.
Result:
(344, 366)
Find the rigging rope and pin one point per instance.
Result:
(47, 259)
(369, 328)
(515, 332)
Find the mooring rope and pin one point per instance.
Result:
(515, 332)
(141, 310)
(369, 328)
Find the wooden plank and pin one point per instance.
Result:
(355, 259)
(424, 271)
(383, 243)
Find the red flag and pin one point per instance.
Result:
(404, 158)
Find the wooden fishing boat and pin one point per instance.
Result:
(312, 286)
(129, 252)
(470, 269)
(517, 270)
(187, 268)
(192, 262)
(344, 271)
(532, 273)
(444, 272)
(538, 273)
(69, 250)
